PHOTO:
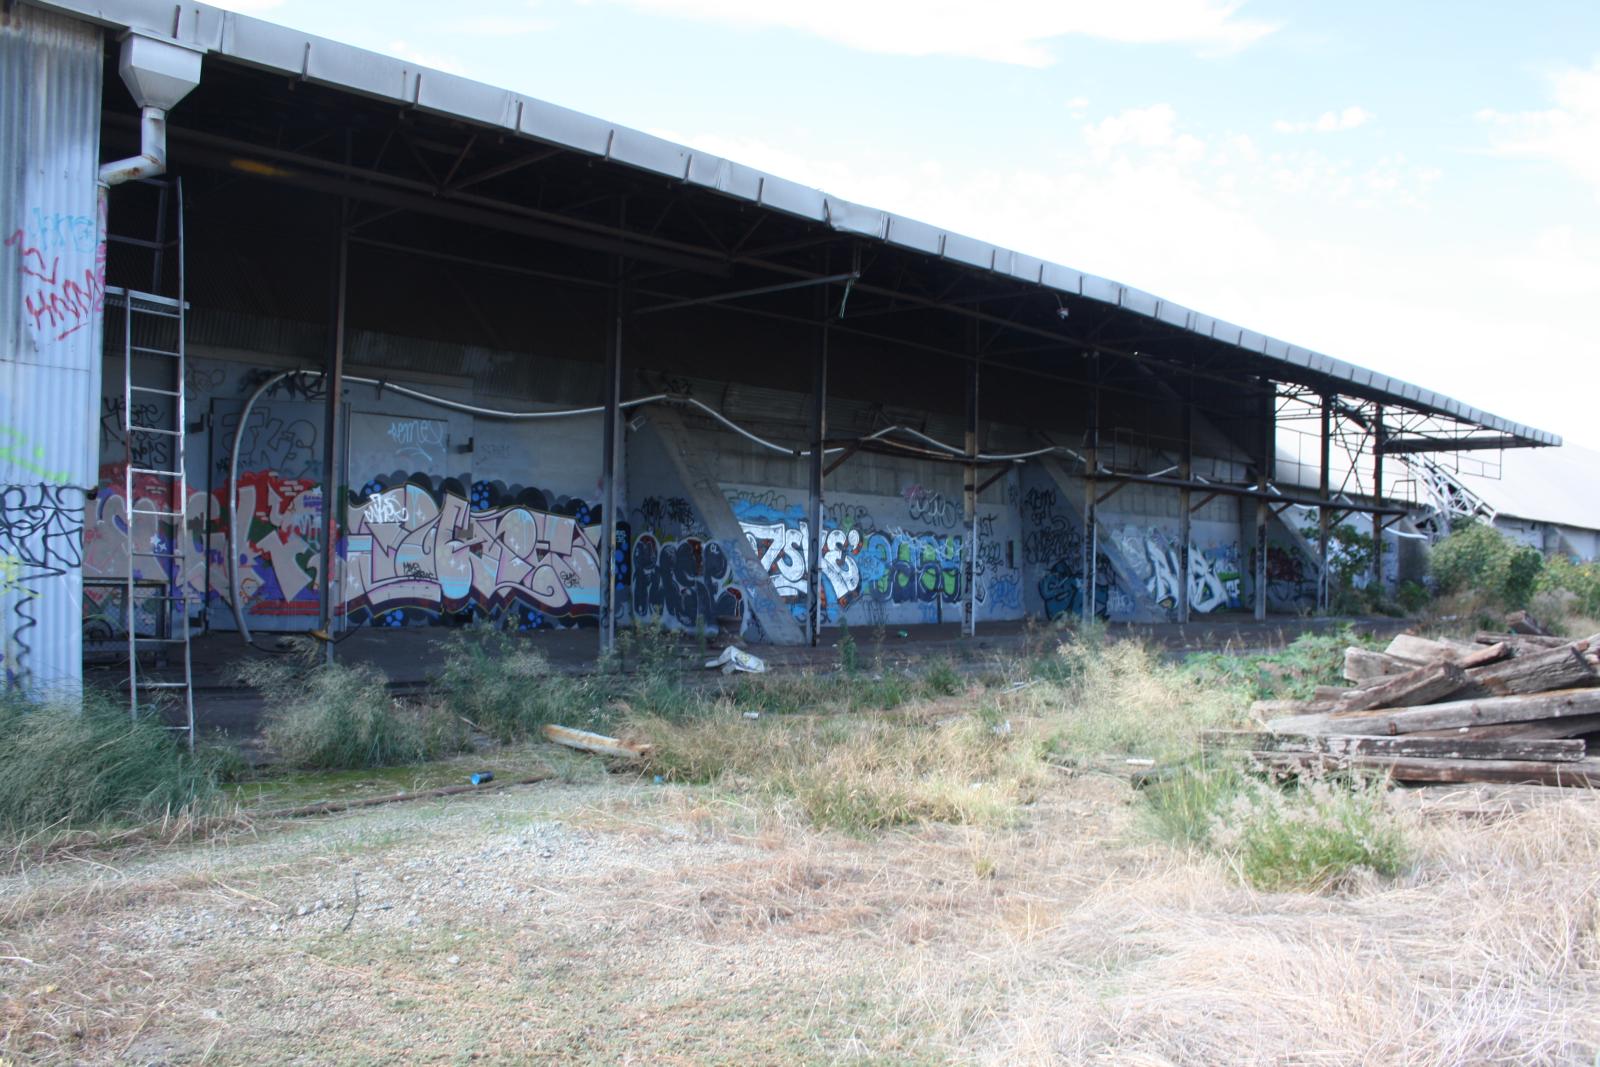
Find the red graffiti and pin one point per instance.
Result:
(59, 306)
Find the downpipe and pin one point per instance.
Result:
(151, 161)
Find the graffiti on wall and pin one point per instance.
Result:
(1214, 576)
(1053, 542)
(856, 562)
(426, 550)
(62, 264)
(688, 582)
(41, 537)
(1291, 575)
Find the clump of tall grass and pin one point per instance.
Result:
(1309, 834)
(856, 774)
(72, 764)
(339, 717)
(1122, 698)
(495, 680)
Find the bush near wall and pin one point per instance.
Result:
(1481, 561)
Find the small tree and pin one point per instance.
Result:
(1479, 559)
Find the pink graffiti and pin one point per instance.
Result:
(61, 302)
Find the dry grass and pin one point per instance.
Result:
(823, 889)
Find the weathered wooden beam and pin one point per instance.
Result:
(1560, 668)
(1408, 746)
(1421, 685)
(1584, 772)
(1423, 650)
(1482, 711)
(1365, 665)
(599, 744)
(1569, 726)
(1517, 641)
(1520, 622)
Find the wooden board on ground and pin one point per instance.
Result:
(1584, 772)
(1482, 711)
(1408, 745)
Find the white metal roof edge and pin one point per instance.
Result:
(267, 45)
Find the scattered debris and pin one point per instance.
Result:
(480, 777)
(599, 744)
(737, 659)
(1505, 707)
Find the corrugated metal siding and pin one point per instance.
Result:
(51, 295)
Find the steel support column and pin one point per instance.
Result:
(1324, 525)
(332, 492)
(969, 499)
(1091, 466)
(1377, 497)
(1186, 472)
(1268, 423)
(816, 602)
(612, 452)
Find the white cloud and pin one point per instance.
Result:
(1567, 134)
(1004, 31)
(1320, 251)
(1327, 122)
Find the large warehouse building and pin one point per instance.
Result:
(276, 308)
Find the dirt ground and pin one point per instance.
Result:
(608, 919)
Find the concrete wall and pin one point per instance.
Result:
(447, 515)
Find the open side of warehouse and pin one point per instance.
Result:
(336, 343)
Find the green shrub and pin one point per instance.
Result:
(1580, 580)
(848, 656)
(1311, 660)
(75, 766)
(1305, 835)
(1479, 559)
(495, 680)
(337, 717)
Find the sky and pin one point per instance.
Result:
(1413, 187)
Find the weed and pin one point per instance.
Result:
(942, 678)
(847, 647)
(335, 717)
(1294, 673)
(81, 764)
(495, 680)
(1305, 835)
(1479, 558)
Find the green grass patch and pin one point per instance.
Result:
(74, 765)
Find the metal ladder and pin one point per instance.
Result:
(153, 350)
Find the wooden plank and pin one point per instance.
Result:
(1409, 745)
(1365, 665)
(1421, 685)
(1419, 649)
(1482, 711)
(1571, 726)
(1520, 622)
(1584, 772)
(1500, 650)
(599, 744)
(1559, 668)
(1517, 641)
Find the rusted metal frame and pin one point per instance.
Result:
(740, 294)
(422, 163)
(377, 180)
(1324, 513)
(997, 475)
(1250, 492)
(499, 170)
(486, 264)
(333, 381)
(1267, 410)
(461, 157)
(612, 451)
(738, 246)
(1377, 495)
(969, 487)
(1091, 453)
(1185, 511)
(816, 607)
(1208, 498)
(849, 450)
(1406, 445)
(1113, 491)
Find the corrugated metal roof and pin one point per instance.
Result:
(269, 46)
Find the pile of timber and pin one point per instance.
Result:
(1504, 707)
